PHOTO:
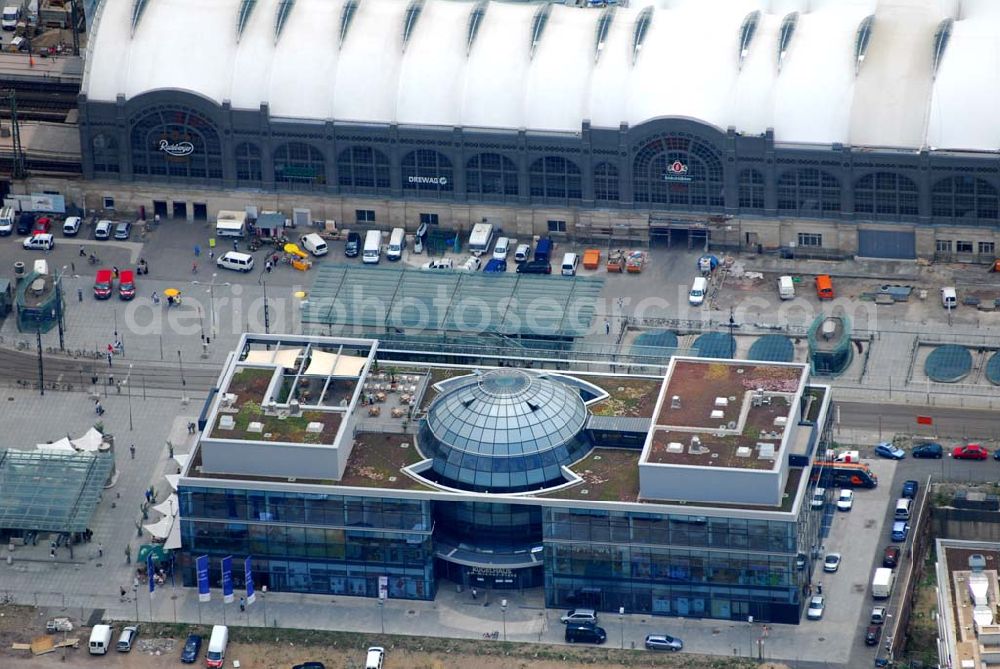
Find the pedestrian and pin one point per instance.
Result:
(819, 588)
(79, 294)
(131, 449)
(98, 409)
(118, 387)
(70, 547)
(474, 593)
(236, 245)
(607, 327)
(110, 356)
(83, 252)
(197, 250)
(52, 553)
(211, 255)
(243, 604)
(267, 266)
(128, 554)
(148, 497)
(156, 298)
(114, 270)
(100, 550)
(111, 379)
(194, 268)
(121, 589)
(170, 450)
(72, 266)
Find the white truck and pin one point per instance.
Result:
(481, 238)
(882, 583)
(231, 224)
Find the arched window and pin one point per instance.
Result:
(751, 189)
(678, 170)
(490, 174)
(808, 191)
(555, 177)
(606, 183)
(964, 197)
(176, 142)
(249, 169)
(428, 172)
(299, 165)
(361, 167)
(104, 149)
(886, 194)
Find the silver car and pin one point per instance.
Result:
(123, 230)
(663, 642)
(580, 616)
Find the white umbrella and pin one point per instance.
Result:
(167, 507)
(174, 538)
(63, 444)
(161, 528)
(173, 480)
(91, 441)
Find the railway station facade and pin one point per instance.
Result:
(884, 159)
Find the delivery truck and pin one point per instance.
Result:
(882, 583)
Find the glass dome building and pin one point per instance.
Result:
(504, 431)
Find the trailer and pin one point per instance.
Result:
(635, 262)
(480, 238)
(231, 224)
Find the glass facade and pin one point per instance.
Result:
(175, 142)
(302, 542)
(678, 170)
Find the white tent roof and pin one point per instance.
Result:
(173, 480)
(63, 444)
(285, 357)
(325, 364)
(91, 441)
(687, 65)
(182, 459)
(167, 507)
(161, 528)
(173, 538)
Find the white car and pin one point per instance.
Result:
(375, 658)
(831, 562)
(9, 19)
(502, 248)
(471, 265)
(71, 226)
(816, 606)
(523, 253)
(443, 263)
(818, 498)
(846, 500)
(103, 229)
(42, 242)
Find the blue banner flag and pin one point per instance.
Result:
(248, 577)
(151, 573)
(227, 579)
(201, 564)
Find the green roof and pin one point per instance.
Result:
(452, 301)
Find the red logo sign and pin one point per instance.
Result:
(677, 167)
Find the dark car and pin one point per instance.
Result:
(353, 246)
(535, 267)
(310, 665)
(496, 266)
(25, 223)
(872, 635)
(970, 452)
(996, 454)
(928, 450)
(890, 556)
(585, 633)
(191, 649)
(910, 489)
(663, 642)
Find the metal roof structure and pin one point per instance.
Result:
(50, 490)
(514, 305)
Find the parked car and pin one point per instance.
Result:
(818, 499)
(126, 284)
(39, 242)
(192, 646)
(801, 560)
(25, 223)
(442, 263)
(472, 264)
(900, 530)
(502, 248)
(71, 226)
(846, 500)
(585, 632)
(375, 657)
(878, 615)
(831, 563)
(996, 454)
(123, 230)
(353, 245)
(310, 665)
(126, 639)
(103, 229)
(42, 225)
(579, 616)
(872, 635)
(910, 489)
(535, 267)
(522, 253)
(887, 450)
(102, 284)
(495, 266)
(928, 450)
(890, 556)
(970, 452)
(663, 642)
(816, 605)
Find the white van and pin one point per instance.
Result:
(314, 244)
(698, 290)
(903, 506)
(570, 262)
(949, 298)
(216, 655)
(241, 262)
(71, 226)
(375, 657)
(502, 248)
(373, 247)
(786, 288)
(100, 640)
(231, 224)
(397, 240)
(7, 215)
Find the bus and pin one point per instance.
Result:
(844, 474)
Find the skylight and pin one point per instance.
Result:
(747, 32)
(603, 26)
(246, 9)
(941, 38)
(138, 7)
(861, 41)
(284, 11)
(642, 23)
(346, 16)
(785, 36)
(410, 22)
(538, 26)
(475, 20)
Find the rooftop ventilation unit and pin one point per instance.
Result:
(743, 452)
(675, 447)
(721, 402)
(718, 413)
(765, 450)
(828, 329)
(675, 402)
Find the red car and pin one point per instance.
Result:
(102, 284)
(42, 226)
(126, 285)
(970, 452)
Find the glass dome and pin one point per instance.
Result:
(504, 431)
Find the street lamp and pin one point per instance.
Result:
(267, 314)
(180, 364)
(211, 295)
(263, 602)
(41, 365)
(381, 612)
(621, 622)
(750, 636)
(503, 610)
(128, 377)
(135, 596)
